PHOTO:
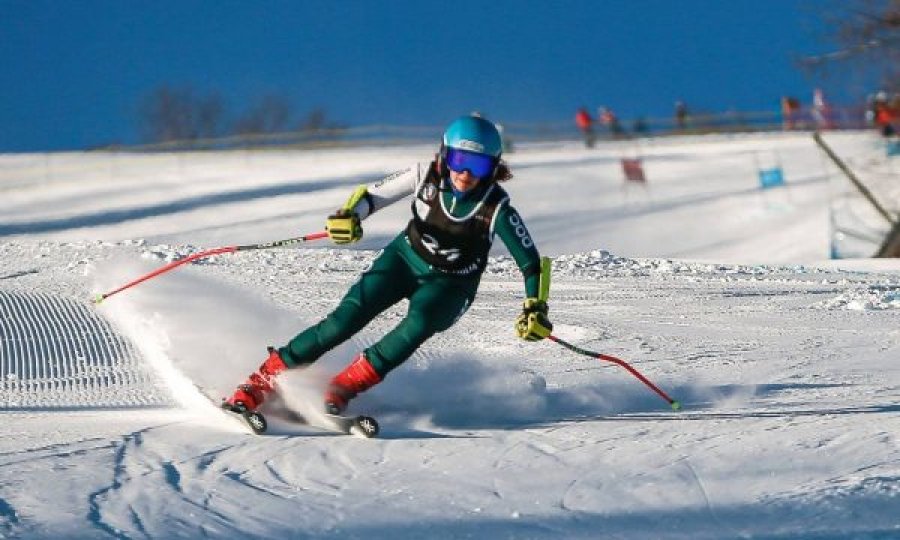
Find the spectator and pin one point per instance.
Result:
(681, 115)
(821, 111)
(870, 110)
(640, 127)
(609, 119)
(886, 113)
(790, 110)
(586, 125)
(506, 142)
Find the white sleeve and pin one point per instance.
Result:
(389, 190)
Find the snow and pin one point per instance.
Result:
(718, 292)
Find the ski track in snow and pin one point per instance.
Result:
(787, 374)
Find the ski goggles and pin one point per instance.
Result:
(478, 165)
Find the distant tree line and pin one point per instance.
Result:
(182, 114)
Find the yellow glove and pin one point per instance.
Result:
(344, 227)
(533, 324)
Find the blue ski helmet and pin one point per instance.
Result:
(473, 134)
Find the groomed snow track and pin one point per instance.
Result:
(57, 353)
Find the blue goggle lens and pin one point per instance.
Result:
(478, 165)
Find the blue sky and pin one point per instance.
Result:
(73, 73)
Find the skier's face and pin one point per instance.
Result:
(463, 181)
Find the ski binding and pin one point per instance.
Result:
(255, 420)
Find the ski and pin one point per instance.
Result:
(358, 426)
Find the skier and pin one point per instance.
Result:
(436, 262)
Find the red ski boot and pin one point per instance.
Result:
(358, 377)
(259, 385)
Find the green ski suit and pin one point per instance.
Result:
(411, 267)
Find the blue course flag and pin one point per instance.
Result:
(769, 178)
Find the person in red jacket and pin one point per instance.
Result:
(586, 125)
(885, 115)
(790, 110)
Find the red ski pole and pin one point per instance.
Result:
(209, 253)
(599, 356)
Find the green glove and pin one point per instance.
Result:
(533, 324)
(344, 227)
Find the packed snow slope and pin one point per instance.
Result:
(717, 291)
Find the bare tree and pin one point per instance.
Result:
(271, 114)
(210, 116)
(316, 125)
(315, 120)
(171, 114)
(174, 114)
(868, 34)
